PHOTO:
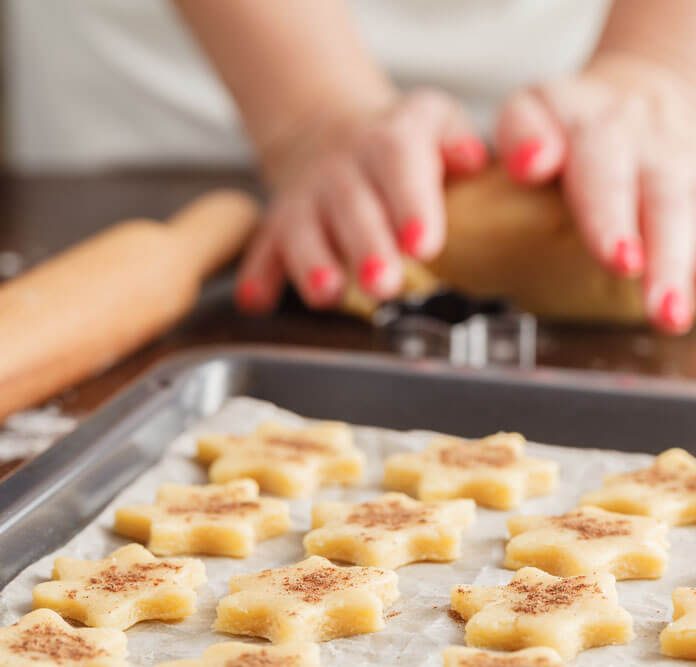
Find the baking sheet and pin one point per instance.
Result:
(419, 626)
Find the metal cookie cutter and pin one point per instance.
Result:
(465, 331)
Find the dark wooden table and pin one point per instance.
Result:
(40, 215)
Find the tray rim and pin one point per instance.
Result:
(621, 382)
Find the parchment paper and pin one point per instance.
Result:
(419, 627)
(27, 434)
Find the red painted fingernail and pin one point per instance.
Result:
(674, 313)
(322, 279)
(247, 294)
(521, 161)
(371, 271)
(411, 236)
(628, 257)
(465, 154)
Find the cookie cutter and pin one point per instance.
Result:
(466, 332)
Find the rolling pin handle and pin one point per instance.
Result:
(211, 229)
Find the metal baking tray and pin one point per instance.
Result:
(51, 498)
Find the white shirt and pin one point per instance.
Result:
(100, 83)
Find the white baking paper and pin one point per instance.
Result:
(418, 628)
(26, 434)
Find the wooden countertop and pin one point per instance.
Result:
(40, 215)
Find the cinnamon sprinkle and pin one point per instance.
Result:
(262, 659)
(315, 584)
(213, 505)
(455, 616)
(674, 481)
(591, 527)
(466, 455)
(298, 445)
(43, 641)
(539, 598)
(114, 580)
(485, 660)
(391, 515)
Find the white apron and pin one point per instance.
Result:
(102, 83)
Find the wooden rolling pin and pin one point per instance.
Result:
(83, 310)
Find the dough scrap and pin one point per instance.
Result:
(43, 639)
(222, 520)
(389, 531)
(678, 639)
(666, 490)
(127, 587)
(312, 600)
(589, 539)
(240, 654)
(493, 471)
(285, 461)
(460, 656)
(568, 614)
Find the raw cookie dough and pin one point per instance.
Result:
(129, 586)
(286, 461)
(313, 600)
(666, 490)
(537, 609)
(239, 654)
(389, 531)
(678, 639)
(588, 540)
(493, 471)
(460, 656)
(223, 520)
(43, 639)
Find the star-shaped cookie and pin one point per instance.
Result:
(568, 615)
(223, 520)
(129, 586)
(390, 531)
(589, 539)
(290, 462)
(43, 639)
(493, 471)
(678, 639)
(666, 490)
(239, 654)
(460, 656)
(312, 600)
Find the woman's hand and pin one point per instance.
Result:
(364, 193)
(623, 139)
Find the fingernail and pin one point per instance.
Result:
(411, 236)
(521, 161)
(371, 271)
(674, 313)
(465, 154)
(628, 257)
(247, 294)
(322, 279)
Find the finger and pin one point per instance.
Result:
(310, 261)
(530, 139)
(404, 163)
(669, 222)
(359, 226)
(462, 152)
(260, 277)
(600, 182)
